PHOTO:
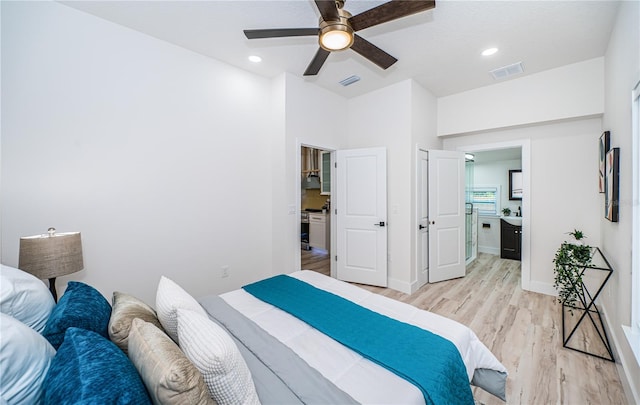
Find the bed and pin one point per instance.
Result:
(232, 348)
(362, 379)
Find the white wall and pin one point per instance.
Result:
(622, 67)
(567, 92)
(315, 117)
(383, 118)
(489, 237)
(424, 118)
(497, 173)
(398, 117)
(144, 147)
(424, 123)
(563, 196)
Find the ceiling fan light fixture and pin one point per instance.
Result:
(336, 40)
(336, 37)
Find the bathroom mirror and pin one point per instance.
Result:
(515, 184)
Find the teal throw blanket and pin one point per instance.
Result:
(430, 362)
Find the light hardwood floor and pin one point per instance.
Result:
(522, 329)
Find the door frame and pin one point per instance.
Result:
(298, 187)
(525, 145)
(421, 278)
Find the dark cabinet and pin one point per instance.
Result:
(510, 240)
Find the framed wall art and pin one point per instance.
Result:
(515, 184)
(611, 182)
(605, 142)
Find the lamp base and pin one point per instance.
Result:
(52, 288)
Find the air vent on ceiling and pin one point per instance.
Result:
(506, 71)
(349, 80)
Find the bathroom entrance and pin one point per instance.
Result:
(492, 200)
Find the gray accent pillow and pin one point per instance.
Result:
(125, 309)
(492, 381)
(169, 376)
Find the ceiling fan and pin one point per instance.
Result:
(337, 28)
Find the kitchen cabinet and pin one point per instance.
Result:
(510, 240)
(319, 231)
(325, 173)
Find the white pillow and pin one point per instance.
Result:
(25, 357)
(214, 353)
(25, 297)
(170, 297)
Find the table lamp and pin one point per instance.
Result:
(51, 255)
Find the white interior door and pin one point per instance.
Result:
(446, 215)
(422, 205)
(361, 204)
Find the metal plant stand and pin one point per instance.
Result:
(586, 307)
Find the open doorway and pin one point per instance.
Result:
(315, 208)
(490, 202)
(504, 209)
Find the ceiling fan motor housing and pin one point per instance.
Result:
(336, 35)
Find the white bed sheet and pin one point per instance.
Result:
(364, 380)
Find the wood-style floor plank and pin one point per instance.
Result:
(523, 329)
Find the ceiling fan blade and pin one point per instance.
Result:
(372, 52)
(280, 32)
(389, 11)
(317, 62)
(328, 10)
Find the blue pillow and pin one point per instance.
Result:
(81, 306)
(89, 369)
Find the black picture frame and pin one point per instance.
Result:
(515, 184)
(612, 184)
(605, 144)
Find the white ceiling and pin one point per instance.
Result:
(439, 48)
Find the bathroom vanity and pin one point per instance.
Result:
(510, 237)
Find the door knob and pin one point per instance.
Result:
(421, 226)
(381, 223)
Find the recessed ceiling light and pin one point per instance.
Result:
(489, 51)
(255, 58)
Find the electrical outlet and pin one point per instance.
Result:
(224, 271)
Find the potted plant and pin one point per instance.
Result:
(570, 260)
(506, 212)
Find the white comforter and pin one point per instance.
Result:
(364, 380)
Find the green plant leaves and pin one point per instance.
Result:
(570, 261)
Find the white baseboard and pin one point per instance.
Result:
(489, 249)
(621, 363)
(401, 286)
(542, 288)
